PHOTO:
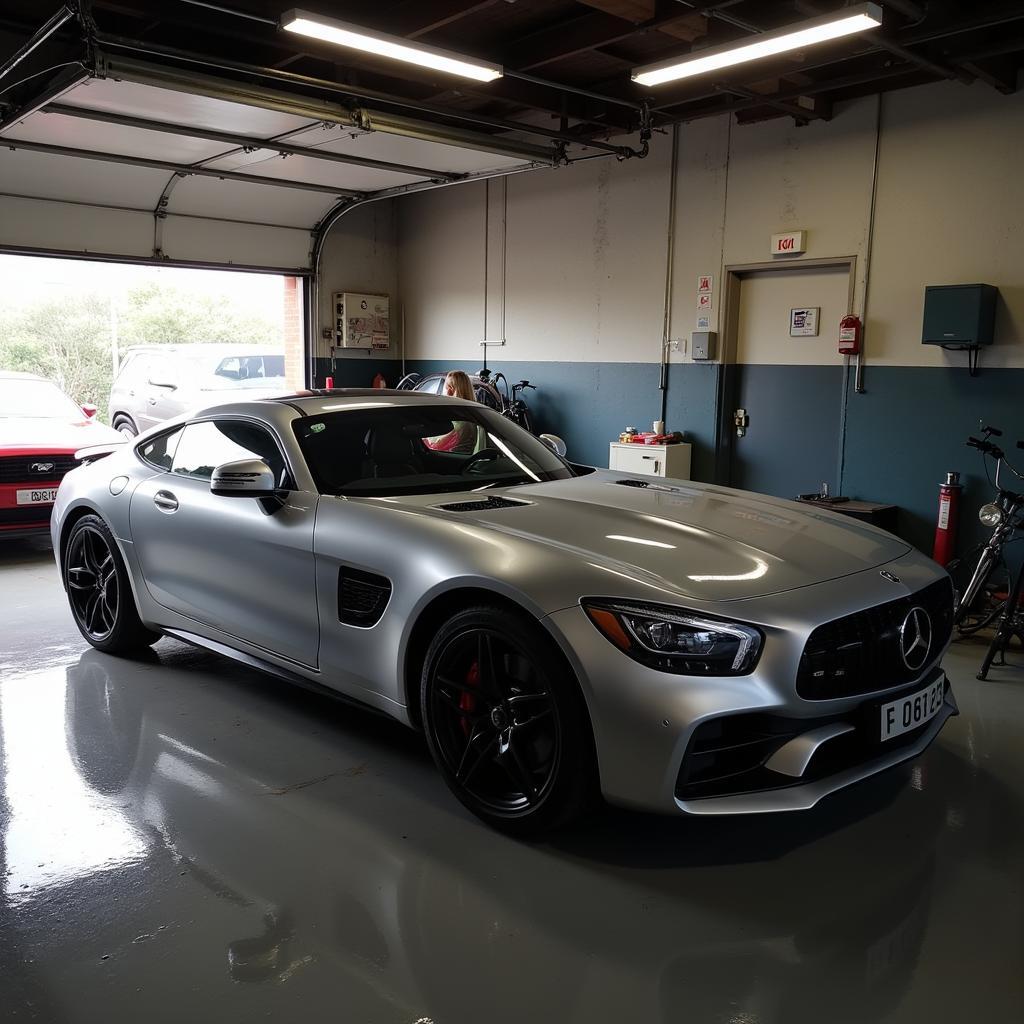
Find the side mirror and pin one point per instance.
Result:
(90, 410)
(555, 443)
(244, 478)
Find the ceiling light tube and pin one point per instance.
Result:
(394, 47)
(844, 22)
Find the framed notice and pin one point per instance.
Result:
(803, 322)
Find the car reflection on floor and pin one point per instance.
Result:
(285, 853)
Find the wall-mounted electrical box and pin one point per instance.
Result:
(702, 344)
(960, 315)
(361, 321)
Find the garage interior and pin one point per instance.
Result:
(182, 835)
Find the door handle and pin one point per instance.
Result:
(152, 401)
(165, 501)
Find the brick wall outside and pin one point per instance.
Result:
(294, 355)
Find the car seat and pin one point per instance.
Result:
(391, 454)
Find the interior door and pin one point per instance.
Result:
(788, 385)
(242, 565)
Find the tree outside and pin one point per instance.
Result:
(76, 340)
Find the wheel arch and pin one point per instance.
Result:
(442, 607)
(72, 517)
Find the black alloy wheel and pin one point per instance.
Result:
(505, 722)
(98, 590)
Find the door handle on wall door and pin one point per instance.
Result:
(165, 501)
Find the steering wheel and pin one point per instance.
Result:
(484, 455)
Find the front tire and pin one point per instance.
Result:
(99, 592)
(506, 723)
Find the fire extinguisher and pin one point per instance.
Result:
(850, 329)
(379, 381)
(945, 528)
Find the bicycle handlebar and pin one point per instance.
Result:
(986, 446)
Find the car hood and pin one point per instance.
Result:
(709, 543)
(45, 434)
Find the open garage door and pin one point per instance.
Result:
(163, 167)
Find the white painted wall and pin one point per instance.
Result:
(584, 260)
(360, 256)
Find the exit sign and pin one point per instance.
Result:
(789, 244)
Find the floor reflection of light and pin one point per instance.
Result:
(58, 829)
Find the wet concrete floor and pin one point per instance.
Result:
(182, 838)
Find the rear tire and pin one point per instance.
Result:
(99, 591)
(506, 722)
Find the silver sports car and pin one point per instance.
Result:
(557, 632)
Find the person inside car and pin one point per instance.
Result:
(462, 438)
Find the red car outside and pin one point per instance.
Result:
(40, 431)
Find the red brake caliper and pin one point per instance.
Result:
(467, 701)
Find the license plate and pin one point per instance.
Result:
(40, 496)
(900, 716)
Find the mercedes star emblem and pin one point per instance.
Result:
(916, 638)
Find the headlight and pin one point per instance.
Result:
(674, 640)
(990, 515)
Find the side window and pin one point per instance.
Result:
(162, 371)
(229, 368)
(159, 451)
(210, 443)
(431, 386)
(136, 370)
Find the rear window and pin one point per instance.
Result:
(422, 450)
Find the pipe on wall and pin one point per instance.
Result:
(670, 252)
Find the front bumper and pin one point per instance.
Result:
(646, 722)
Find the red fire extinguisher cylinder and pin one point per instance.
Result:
(945, 527)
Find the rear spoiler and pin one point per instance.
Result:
(98, 451)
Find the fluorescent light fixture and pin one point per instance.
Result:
(358, 38)
(843, 22)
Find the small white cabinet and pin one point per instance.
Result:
(671, 460)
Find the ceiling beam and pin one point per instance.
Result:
(246, 142)
(416, 18)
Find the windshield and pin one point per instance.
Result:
(244, 371)
(36, 399)
(422, 449)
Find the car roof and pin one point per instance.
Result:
(19, 375)
(318, 402)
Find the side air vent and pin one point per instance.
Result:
(632, 483)
(483, 505)
(362, 597)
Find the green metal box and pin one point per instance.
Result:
(959, 314)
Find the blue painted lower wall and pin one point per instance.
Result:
(908, 429)
(901, 435)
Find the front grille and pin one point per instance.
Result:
(860, 653)
(29, 515)
(726, 756)
(17, 469)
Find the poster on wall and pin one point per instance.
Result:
(803, 322)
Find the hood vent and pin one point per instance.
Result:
(632, 483)
(482, 505)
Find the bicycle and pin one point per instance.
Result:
(981, 603)
(513, 406)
